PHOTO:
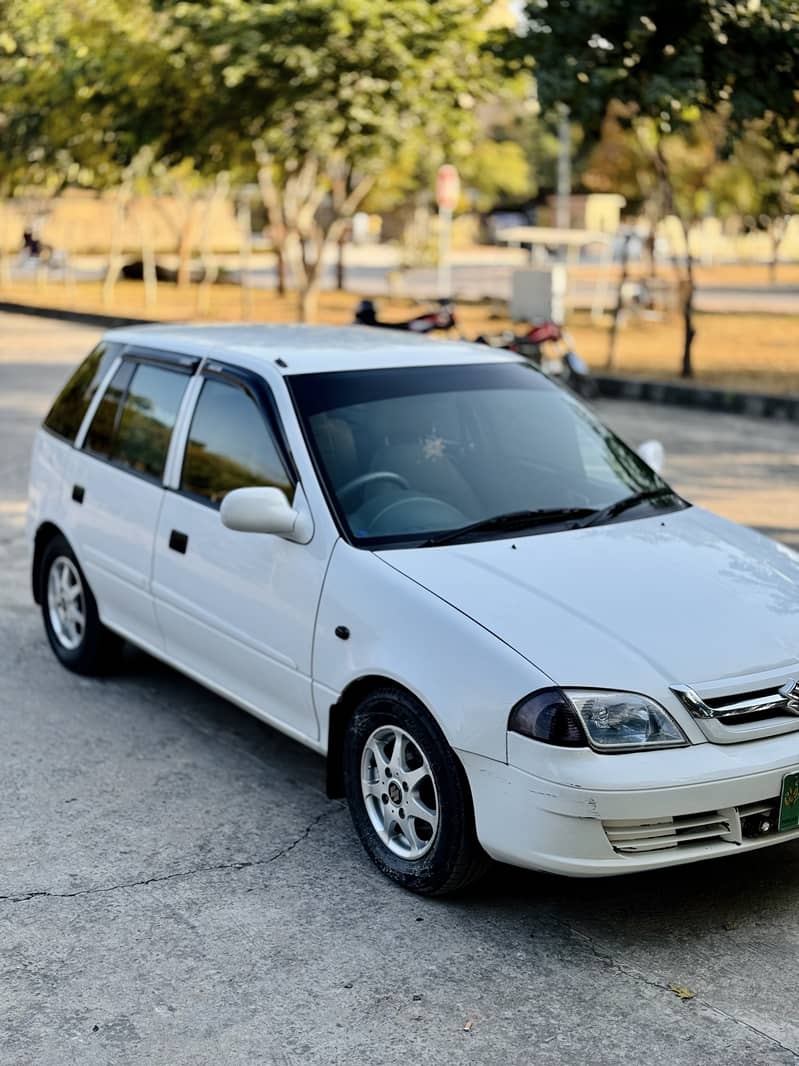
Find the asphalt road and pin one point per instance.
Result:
(176, 889)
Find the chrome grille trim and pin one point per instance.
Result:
(774, 702)
(763, 708)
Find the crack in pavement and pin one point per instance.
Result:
(637, 975)
(245, 865)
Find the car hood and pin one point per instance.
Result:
(686, 596)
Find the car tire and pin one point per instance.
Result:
(409, 797)
(77, 636)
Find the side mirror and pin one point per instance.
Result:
(266, 510)
(654, 454)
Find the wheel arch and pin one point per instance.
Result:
(44, 534)
(341, 712)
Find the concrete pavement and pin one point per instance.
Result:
(176, 890)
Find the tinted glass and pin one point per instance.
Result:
(230, 446)
(410, 452)
(73, 401)
(101, 431)
(148, 415)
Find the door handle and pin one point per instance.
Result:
(178, 541)
(78, 492)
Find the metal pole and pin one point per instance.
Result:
(444, 242)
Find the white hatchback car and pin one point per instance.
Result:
(509, 635)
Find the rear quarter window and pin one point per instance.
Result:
(66, 414)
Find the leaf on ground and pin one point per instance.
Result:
(682, 991)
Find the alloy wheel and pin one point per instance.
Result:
(399, 792)
(66, 603)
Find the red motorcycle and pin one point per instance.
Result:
(548, 346)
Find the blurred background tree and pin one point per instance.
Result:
(324, 94)
(759, 180)
(664, 67)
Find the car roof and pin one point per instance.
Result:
(305, 349)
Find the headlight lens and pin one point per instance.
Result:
(608, 721)
(625, 721)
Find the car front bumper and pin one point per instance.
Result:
(529, 821)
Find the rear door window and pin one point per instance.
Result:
(101, 431)
(67, 413)
(230, 446)
(146, 419)
(134, 420)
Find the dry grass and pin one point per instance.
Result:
(751, 351)
(754, 275)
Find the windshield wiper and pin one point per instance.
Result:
(620, 506)
(514, 520)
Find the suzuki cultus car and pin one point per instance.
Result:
(510, 636)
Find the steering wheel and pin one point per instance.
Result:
(366, 479)
(448, 513)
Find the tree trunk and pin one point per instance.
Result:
(340, 245)
(650, 251)
(776, 240)
(614, 326)
(185, 249)
(114, 268)
(309, 301)
(149, 273)
(244, 219)
(280, 267)
(687, 288)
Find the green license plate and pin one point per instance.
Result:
(789, 802)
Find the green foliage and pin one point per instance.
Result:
(358, 77)
(83, 88)
(704, 69)
(668, 60)
(760, 178)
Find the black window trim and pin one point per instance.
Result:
(254, 385)
(174, 361)
(186, 364)
(113, 365)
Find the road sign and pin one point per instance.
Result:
(448, 187)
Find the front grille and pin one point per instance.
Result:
(749, 713)
(748, 706)
(633, 836)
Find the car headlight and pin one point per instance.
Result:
(608, 721)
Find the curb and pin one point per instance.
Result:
(753, 404)
(84, 318)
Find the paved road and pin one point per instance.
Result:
(176, 890)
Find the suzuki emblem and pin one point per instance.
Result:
(790, 690)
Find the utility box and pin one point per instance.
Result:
(538, 294)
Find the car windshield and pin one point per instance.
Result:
(418, 454)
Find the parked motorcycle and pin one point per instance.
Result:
(548, 346)
(545, 344)
(442, 318)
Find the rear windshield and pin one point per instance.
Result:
(73, 401)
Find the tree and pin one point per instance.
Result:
(667, 64)
(90, 96)
(325, 93)
(760, 180)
